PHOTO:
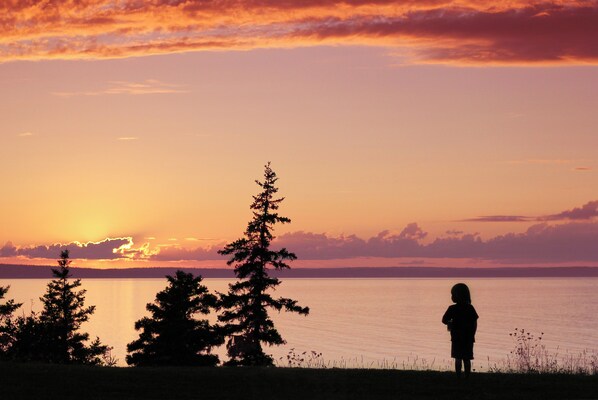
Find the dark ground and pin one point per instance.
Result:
(35, 381)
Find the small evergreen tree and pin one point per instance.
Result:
(246, 304)
(30, 341)
(53, 334)
(172, 336)
(6, 321)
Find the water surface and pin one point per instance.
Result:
(372, 322)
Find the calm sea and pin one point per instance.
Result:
(373, 322)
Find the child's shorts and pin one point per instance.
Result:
(462, 350)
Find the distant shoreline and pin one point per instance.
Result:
(43, 272)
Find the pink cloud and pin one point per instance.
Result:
(585, 212)
(308, 245)
(571, 242)
(8, 250)
(107, 249)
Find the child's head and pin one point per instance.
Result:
(460, 294)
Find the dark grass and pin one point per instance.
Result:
(35, 381)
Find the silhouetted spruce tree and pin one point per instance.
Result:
(53, 334)
(246, 304)
(172, 335)
(6, 321)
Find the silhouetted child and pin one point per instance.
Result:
(461, 320)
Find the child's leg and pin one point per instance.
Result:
(467, 364)
(458, 366)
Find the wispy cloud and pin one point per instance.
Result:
(499, 218)
(586, 212)
(542, 161)
(127, 138)
(25, 134)
(582, 169)
(149, 86)
(427, 31)
(194, 239)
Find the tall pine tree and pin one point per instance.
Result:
(54, 334)
(172, 335)
(245, 306)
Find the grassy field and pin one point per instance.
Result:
(34, 381)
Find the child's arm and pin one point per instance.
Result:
(447, 319)
(474, 325)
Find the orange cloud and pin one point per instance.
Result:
(430, 31)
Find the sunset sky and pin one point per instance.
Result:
(429, 132)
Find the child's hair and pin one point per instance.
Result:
(460, 294)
